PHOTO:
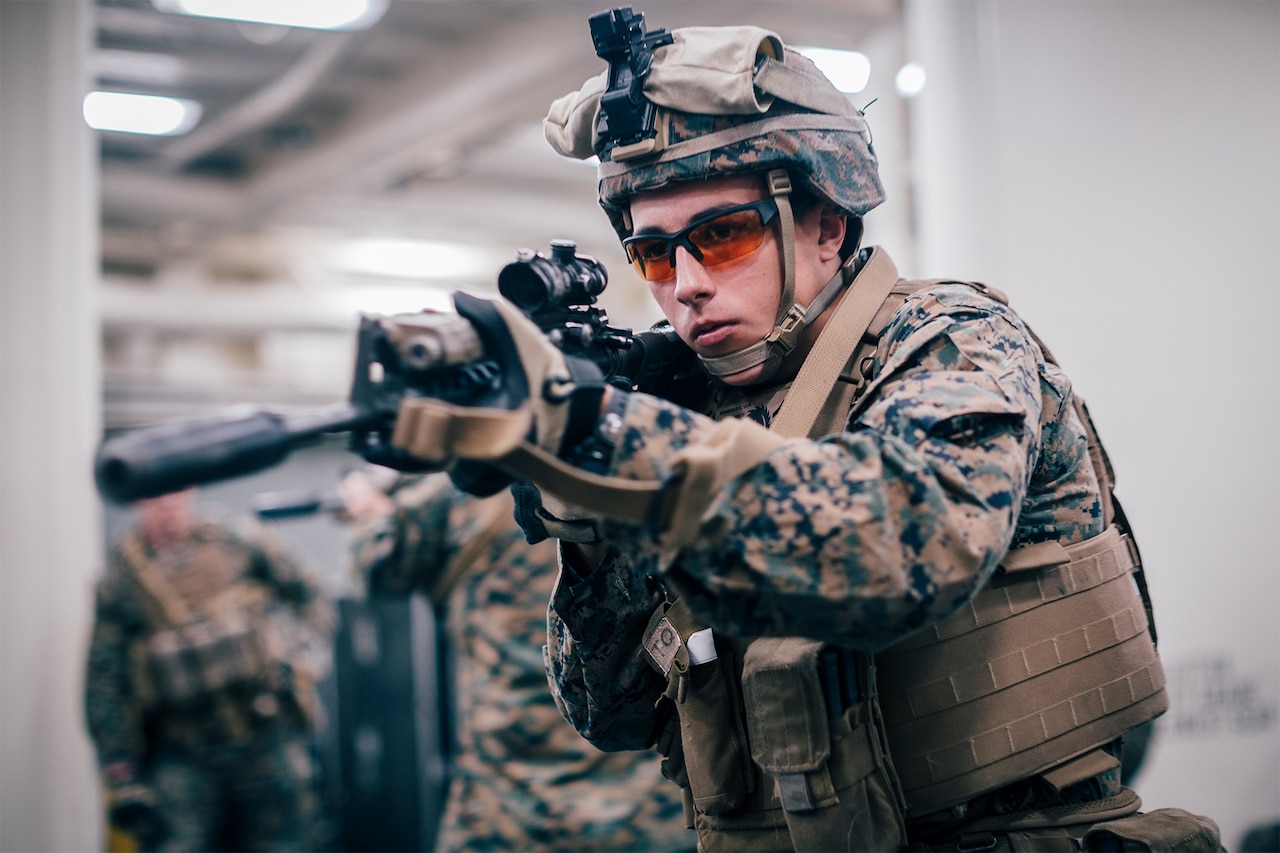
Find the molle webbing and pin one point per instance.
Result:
(1050, 660)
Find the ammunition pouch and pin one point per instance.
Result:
(1160, 830)
(796, 751)
(186, 665)
(1110, 825)
(820, 746)
(717, 768)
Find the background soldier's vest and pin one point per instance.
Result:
(209, 631)
(1053, 658)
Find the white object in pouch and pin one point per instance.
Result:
(702, 646)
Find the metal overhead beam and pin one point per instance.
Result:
(525, 70)
(448, 105)
(263, 106)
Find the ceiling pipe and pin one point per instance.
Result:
(262, 107)
(528, 68)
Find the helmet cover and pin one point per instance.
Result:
(730, 100)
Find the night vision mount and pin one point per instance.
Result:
(625, 126)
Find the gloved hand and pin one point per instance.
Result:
(132, 807)
(562, 393)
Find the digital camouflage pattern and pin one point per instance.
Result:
(964, 444)
(523, 778)
(241, 758)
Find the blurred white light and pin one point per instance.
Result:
(419, 259)
(312, 14)
(849, 70)
(909, 80)
(389, 299)
(130, 113)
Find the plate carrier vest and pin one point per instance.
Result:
(1054, 658)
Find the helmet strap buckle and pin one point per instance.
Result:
(779, 182)
(787, 333)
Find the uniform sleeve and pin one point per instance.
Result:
(603, 685)
(111, 707)
(862, 537)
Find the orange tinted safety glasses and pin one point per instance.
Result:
(715, 238)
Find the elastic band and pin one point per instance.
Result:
(738, 133)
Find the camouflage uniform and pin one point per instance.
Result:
(872, 539)
(230, 769)
(523, 779)
(965, 447)
(922, 622)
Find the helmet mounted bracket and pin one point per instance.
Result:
(625, 124)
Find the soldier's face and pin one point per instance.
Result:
(722, 308)
(166, 519)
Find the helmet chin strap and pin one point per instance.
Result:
(791, 319)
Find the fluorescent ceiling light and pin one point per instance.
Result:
(849, 70)
(126, 112)
(312, 14)
(910, 80)
(419, 259)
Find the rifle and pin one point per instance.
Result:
(294, 503)
(425, 354)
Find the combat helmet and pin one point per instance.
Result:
(716, 101)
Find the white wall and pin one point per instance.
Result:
(50, 539)
(1115, 168)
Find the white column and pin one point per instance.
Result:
(954, 138)
(50, 518)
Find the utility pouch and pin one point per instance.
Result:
(787, 720)
(191, 662)
(671, 748)
(1156, 832)
(700, 682)
(833, 779)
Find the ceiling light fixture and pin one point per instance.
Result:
(849, 70)
(125, 112)
(910, 80)
(311, 14)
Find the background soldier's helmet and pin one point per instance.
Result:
(728, 100)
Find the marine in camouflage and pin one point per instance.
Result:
(875, 539)
(523, 778)
(225, 770)
(964, 445)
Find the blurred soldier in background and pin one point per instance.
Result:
(199, 694)
(522, 778)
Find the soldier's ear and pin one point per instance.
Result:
(832, 227)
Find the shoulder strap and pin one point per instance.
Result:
(817, 377)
